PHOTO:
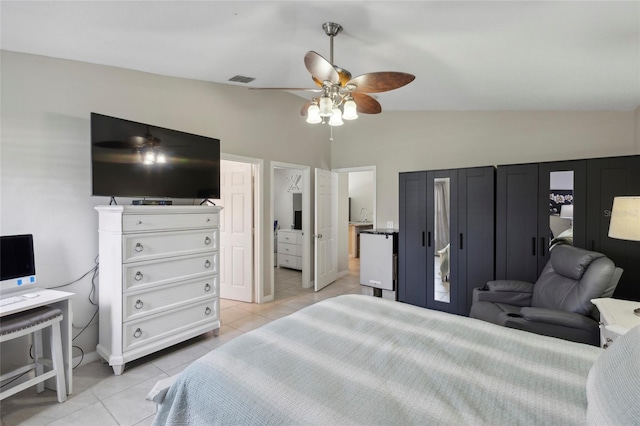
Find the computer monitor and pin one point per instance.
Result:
(17, 263)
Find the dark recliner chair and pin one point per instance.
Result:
(559, 303)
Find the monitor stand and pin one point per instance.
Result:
(208, 202)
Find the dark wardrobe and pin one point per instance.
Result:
(527, 217)
(446, 236)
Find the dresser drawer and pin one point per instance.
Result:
(290, 237)
(139, 275)
(146, 330)
(137, 304)
(157, 222)
(149, 246)
(290, 249)
(288, 261)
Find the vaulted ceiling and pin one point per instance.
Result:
(475, 55)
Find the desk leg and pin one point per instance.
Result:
(67, 338)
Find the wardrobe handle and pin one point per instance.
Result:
(542, 246)
(461, 242)
(429, 239)
(423, 242)
(533, 246)
(593, 245)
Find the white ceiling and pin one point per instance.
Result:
(476, 55)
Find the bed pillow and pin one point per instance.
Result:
(613, 384)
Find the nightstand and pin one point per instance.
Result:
(616, 318)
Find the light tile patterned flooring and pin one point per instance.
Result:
(100, 398)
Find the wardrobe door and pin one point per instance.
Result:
(562, 207)
(517, 222)
(606, 179)
(412, 239)
(476, 232)
(443, 291)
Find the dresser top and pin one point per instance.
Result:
(129, 209)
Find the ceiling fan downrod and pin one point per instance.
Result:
(331, 29)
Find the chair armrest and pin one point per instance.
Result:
(510, 292)
(552, 316)
(510, 285)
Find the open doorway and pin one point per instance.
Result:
(291, 218)
(356, 212)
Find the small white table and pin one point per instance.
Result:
(616, 318)
(57, 299)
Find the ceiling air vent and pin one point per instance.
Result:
(241, 79)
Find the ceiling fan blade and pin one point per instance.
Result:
(304, 109)
(376, 82)
(115, 144)
(288, 89)
(320, 69)
(366, 104)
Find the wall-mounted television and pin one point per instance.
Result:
(131, 159)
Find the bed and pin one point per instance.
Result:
(364, 360)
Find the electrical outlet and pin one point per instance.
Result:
(389, 224)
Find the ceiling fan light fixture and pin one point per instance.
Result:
(313, 114)
(161, 158)
(350, 110)
(149, 157)
(326, 106)
(336, 117)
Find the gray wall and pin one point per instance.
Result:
(408, 141)
(45, 163)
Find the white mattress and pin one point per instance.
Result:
(365, 360)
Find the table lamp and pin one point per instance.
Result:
(625, 222)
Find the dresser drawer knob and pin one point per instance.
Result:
(208, 219)
(139, 247)
(207, 264)
(207, 311)
(137, 333)
(207, 287)
(139, 304)
(139, 222)
(138, 276)
(207, 241)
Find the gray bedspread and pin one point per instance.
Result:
(364, 360)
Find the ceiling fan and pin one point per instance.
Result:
(341, 96)
(147, 146)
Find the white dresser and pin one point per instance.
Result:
(290, 248)
(158, 278)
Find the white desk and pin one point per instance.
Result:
(616, 318)
(57, 299)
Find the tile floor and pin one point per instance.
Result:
(100, 398)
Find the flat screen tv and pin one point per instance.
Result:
(131, 159)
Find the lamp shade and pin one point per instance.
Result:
(326, 106)
(350, 110)
(336, 118)
(313, 114)
(566, 211)
(625, 218)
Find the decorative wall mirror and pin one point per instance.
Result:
(441, 239)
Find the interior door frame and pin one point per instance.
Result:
(258, 219)
(306, 224)
(374, 213)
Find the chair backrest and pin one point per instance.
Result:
(572, 277)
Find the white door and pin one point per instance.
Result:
(326, 229)
(236, 231)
